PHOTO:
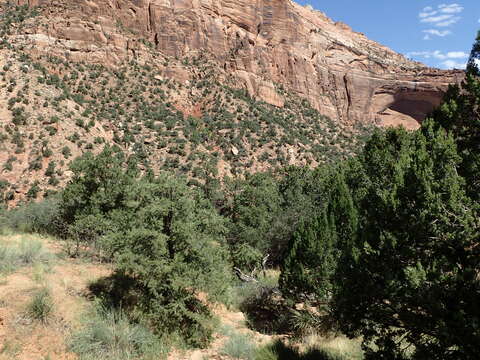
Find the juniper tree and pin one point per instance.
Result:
(166, 241)
(410, 286)
(316, 247)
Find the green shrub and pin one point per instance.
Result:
(66, 152)
(239, 346)
(264, 309)
(32, 193)
(166, 241)
(41, 306)
(108, 334)
(40, 217)
(305, 322)
(241, 292)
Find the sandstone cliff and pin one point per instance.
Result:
(259, 45)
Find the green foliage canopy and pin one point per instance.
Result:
(412, 275)
(166, 240)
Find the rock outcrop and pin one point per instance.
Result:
(259, 44)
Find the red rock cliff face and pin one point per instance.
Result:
(257, 43)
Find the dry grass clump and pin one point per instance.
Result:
(313, 347)
(109, 334)
(41, 307)
(26, 251)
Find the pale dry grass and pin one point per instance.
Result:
(23, 338)
(351, 349)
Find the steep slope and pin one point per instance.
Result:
(205, 89)
(258, 43)
(53, 110)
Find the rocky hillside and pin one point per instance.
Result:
(257, 44)
(202, 88)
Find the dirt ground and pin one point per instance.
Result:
(67, 279)
(24, 339)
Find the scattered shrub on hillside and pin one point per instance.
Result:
(32, 193)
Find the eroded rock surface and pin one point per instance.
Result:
(259, 44)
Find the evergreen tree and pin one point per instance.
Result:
(316, 246)
(255, 212)
(473, 65)
(310, 263)
(165, 240)
(460, 115)
(409, 286)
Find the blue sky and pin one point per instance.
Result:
(437, 33)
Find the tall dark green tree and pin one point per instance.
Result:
(473, 65)
(460, 115)
(254, 213)
(410, 284)
(315, 248)
(310, 263)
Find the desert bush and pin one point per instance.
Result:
(28, 252)
(165, 239)
(239, 346)
(41, 306)
(264, 308)
(39, 217)
(109, 334)
(304, 322)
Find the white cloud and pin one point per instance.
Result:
(452, 64)
(437, 54)
(443, 16)
(457, 55)
(448, 22)
(450, 9)
(448, 60)
(436, 32)
(435, 19)
(426, 12)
